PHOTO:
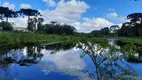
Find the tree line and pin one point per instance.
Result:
(131, 28)
(34, 22)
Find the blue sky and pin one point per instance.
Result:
(84, 15)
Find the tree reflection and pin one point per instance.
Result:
(59, 46)
(108, 60)
(32, 56)
(134, 50)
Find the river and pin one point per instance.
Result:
(54, 62)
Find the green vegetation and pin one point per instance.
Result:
(18, 38)
(135, 40)
(6, 26)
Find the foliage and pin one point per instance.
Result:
(28, 12)
(108, 61)
(99, 33)
(40, 24)
(55, 28)
(5, 12)
(31, 21)
(6, 26)
(130, 52)
(132, 28)
(114, 29)
(105, 31)
(18, 38)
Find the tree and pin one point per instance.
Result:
(39, 24)
(6, 26)
(32, 24)
(107, 66)
(105, 31)
(135, 18)
(29, 12)
(136, 21)
(114, 29)
(56, 28)
(96, 33)
(133, 27)
(5, 12)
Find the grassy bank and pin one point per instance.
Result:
(17, 38)
(137, 40)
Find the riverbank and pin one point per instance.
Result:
(135, 40)
(18, 38)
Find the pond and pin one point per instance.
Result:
(59, 61)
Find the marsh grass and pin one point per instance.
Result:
(18, 38)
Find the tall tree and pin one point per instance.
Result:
(114, 29)
(6, 26)
(39, 24)
(32, 22)
(135, 18)
(29, 12)
(5, 12)
(105, 31)
(57, 28)
(134, 26)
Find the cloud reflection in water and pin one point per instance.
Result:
(66, 62)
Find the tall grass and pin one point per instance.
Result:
(17, 38)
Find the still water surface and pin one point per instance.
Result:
(48, 63)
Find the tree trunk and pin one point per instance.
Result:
(6, 19)
(28, 24)
(28, 18)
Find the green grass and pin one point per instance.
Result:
(18, 38)
(137, 40)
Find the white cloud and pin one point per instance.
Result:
(115, 16)
(10, 6)
(19, 22)
(110, 9)
(50, 3)
(65, 12)
(91, 24)
(25, 6)
(69, 11)
(68, 59)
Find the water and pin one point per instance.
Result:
(38, 63)
(50, 62)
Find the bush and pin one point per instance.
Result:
(6, 26)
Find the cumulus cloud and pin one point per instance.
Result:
(19, 22)
(64, 12)
(68, 59)
(115, 16)
(50, 3)
(25, 6)
(10, 6)
(91, 24)
(69, 11)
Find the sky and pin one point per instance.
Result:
(84, 15)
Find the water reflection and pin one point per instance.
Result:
(134, 50)
(24, 57)
(18, 57)
(109, 61)
(68, 61)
